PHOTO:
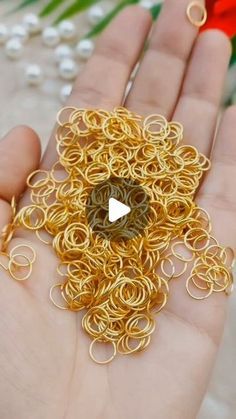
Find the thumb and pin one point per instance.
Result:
(19, 156)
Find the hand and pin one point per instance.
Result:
(46, 372)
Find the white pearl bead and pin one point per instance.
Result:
(146, 4)
(62, 52)
(85, 48)
(67, 30)
(51, 36)
(68, 69)
(14, 48)
(32, 23)
(34, 75)
(95, 14)
(20, 32)
(65, 92)
(4, 34)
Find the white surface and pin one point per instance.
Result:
(117, 210)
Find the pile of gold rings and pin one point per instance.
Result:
(122, 284)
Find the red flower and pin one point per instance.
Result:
(221, 15)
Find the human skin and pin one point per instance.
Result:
(46, 371)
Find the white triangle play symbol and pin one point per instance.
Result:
(117, 210)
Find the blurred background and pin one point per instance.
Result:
(43, 47)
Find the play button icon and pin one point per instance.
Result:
(117, 210)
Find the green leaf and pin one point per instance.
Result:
(233, 57)
(155, 10)
(76, 7)
(23, 4)
(108, 18)
(50, 7)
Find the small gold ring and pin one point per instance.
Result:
(199, 6)
(106, 361)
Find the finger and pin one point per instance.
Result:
(19, 156)
(218, 194)
(103, 82)
(161, 73)
(198, 105)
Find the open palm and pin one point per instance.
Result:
(46, 372)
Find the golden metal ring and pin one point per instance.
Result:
(196, 5)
